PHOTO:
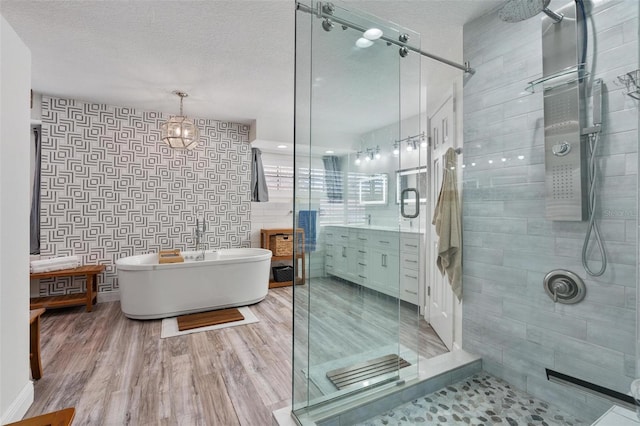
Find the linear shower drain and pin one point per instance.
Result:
(363, 371)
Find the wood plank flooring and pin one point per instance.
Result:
(117, 371)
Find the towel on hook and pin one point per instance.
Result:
(446, 219)
(307, 221)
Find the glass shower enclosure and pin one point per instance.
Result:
(357, 132)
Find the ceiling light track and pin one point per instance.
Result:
(326, 11)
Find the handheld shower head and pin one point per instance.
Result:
(519, 10)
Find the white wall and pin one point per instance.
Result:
(16, 391)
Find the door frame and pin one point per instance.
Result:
(456, 314)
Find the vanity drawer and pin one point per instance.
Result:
(410, 245)
(361, 238)
(362, 254)
(362, 270)
(409, 261)
(385, 240)
(409, 287)
(342, 236)
(329, 235)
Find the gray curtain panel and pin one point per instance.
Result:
(333, 177)
(35, 199)
(259, 190)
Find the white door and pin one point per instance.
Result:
(442, 132)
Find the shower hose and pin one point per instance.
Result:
(592, 178)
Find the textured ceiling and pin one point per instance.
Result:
(234, 58)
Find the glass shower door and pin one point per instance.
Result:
(355, 94)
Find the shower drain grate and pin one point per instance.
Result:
(368, 370)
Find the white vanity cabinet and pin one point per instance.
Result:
(390, 262)
(384, 262)
(411, 265)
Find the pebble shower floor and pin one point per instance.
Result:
(481, 399)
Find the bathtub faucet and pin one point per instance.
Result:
(200, 230)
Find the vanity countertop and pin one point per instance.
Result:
(404, 230)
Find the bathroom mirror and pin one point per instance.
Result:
(373, 189)
(412, 178)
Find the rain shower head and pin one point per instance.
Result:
(519, 10)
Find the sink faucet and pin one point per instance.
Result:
(200, 230)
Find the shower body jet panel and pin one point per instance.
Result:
(565, 154)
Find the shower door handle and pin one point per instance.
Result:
(402, 203)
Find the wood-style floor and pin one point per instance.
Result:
(117, 371)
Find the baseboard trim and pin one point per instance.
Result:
(20, 405)
(108, 296)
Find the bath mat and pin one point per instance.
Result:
(205, 319)
(170, 325)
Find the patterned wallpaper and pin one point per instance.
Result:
(111, 189)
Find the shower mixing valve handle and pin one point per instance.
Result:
(561, 149)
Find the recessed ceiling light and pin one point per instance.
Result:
(363, 42)
(328, 152)
(372, 34)
(282, 146)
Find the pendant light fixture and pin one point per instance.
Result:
(179, 132)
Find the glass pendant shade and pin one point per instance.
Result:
(179, 132)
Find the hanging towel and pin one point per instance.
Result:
(307, 221)
(259, 190)
(446, 219)
(333, 178)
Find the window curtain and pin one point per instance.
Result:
(35, 199)
(332, 178)
(259, 190)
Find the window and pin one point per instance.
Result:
(311, 183)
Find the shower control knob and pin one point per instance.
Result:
(561, 149)
(561, 287)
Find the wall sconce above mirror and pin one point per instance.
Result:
(373, 189)
(412, 178)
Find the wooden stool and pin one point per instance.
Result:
(34, 343)
(57, 418)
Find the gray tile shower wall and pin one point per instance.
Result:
(111, 189)
(509, 246)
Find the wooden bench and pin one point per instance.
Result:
(57, 418)
(87, 298)
(34, 343)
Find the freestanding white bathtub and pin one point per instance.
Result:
(225, 278)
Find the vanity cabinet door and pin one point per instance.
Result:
(362, 265)
(329, 250)
(329, 255)
(340, 259)
(384, 269)
(411, 268)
